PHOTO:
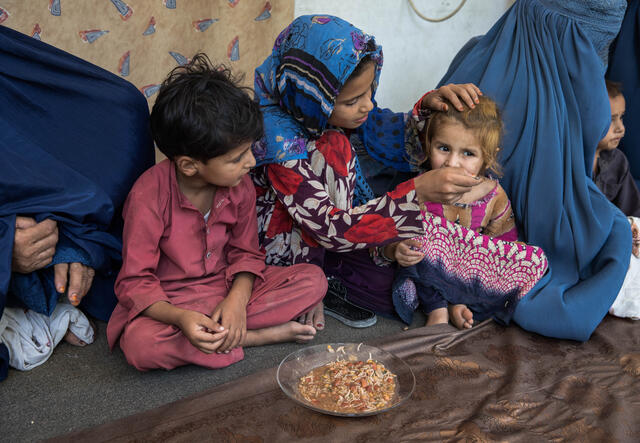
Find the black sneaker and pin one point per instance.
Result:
(337, 306)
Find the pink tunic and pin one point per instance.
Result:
(171, 254)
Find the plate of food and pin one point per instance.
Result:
(346, 379)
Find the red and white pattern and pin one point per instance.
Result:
(304, 206)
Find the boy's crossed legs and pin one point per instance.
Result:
(285, 294)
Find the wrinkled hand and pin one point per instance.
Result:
(34, 244)
(406, 253)
(201, 331)
(444, 185)
(452, 93)
(231, 313)
(79, 277)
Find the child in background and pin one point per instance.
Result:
(612, 176)
(469, 139)
(194, 288)
(611, 168)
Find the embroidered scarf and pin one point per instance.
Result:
(298, 83)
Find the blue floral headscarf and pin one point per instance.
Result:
(298, 83)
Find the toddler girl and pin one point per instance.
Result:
(471, 260)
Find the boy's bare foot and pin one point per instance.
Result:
(437, 317)
(289, 331)
(461, 316)
(315, 317)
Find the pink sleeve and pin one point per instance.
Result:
(243, 253)
(137, 286)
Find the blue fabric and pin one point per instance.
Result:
(298, 83)
(362, 193)
(30, 288)
(541, 64)
(624, 67)
(74, 139)
(436, 288)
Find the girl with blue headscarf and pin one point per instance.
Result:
(335, 180)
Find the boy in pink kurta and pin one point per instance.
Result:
(194, 287)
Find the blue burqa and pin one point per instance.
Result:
(624, 67)
(74, 138)
(543, 64)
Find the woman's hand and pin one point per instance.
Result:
(79, 277)
(444, 185)
(407, 253)
(34, 244)
(454, 94)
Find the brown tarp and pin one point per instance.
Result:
(489, 383)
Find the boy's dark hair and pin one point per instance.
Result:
(613, 88)
(202, 112)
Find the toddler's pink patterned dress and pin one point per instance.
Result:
(463, 266)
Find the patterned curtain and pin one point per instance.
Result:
(142, 40)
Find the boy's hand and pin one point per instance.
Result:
(201, 331)
(231, 313)
(407, 253)
(455, 94)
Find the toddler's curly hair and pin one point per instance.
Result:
(484, 119)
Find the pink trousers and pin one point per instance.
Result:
(285, 294)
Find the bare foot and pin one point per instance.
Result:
(315, 317)
(461, 316)
(437, 317)
(289, 331)
(74, 340)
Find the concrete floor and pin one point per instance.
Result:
(79, 388)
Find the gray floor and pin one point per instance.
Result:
(82, 387)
